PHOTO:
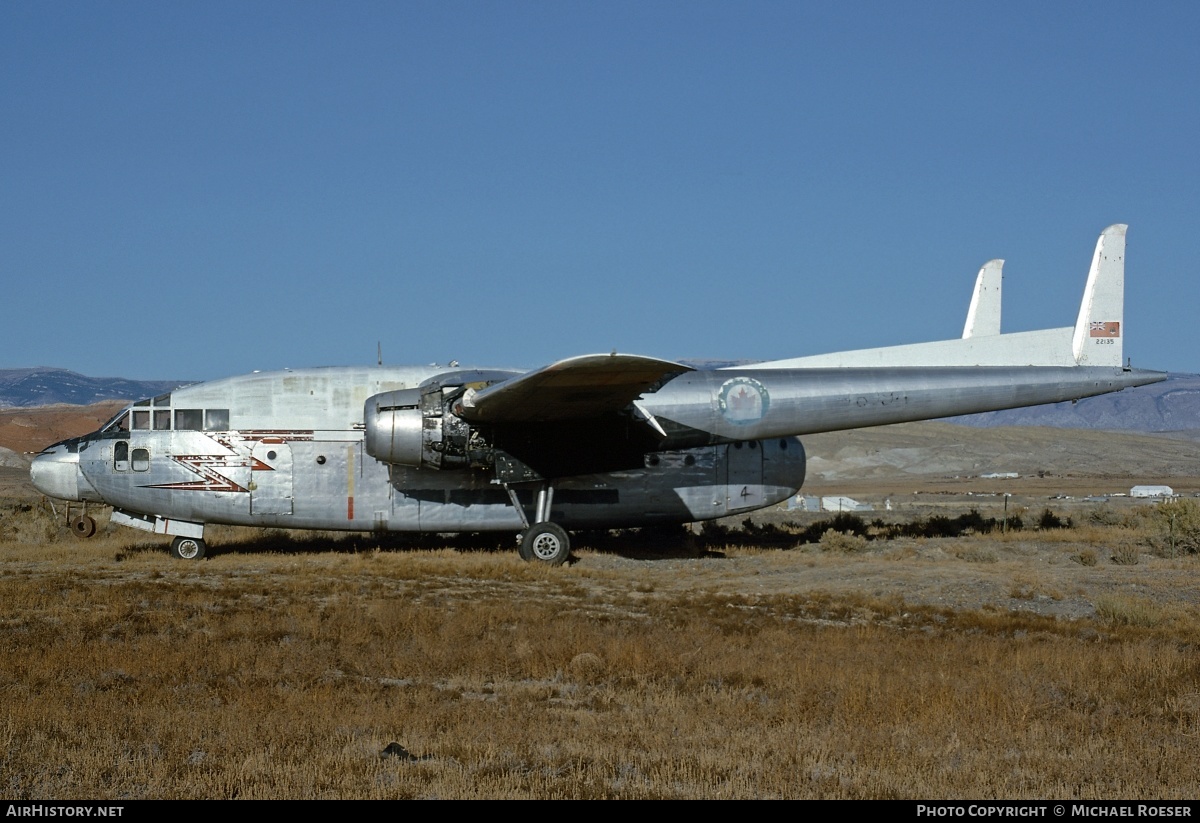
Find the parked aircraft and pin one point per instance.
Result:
(602, 440)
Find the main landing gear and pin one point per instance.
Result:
(542, 541)
(188, 548)
(546, 543)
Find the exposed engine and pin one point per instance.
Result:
(415, 427)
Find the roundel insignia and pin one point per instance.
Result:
(743, 400)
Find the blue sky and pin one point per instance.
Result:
(192, 190)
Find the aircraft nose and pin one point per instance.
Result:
(55, 472)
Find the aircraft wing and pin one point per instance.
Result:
(573, 389)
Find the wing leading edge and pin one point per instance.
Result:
(573, 389)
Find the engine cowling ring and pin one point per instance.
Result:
(394, 426)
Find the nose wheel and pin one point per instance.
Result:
(83, 526)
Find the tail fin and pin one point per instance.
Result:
(983, 317)
(1094, 341)
(1099, 329)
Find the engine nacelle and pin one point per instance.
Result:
(412, 427)
(393, 427)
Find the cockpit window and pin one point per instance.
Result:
(159, 419)
(120, 423)
(163, 400)
(216, 420)
(189, 419)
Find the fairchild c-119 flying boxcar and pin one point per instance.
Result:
(598, 441)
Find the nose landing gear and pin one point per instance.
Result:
(83, 526)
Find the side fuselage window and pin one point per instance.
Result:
(121, 455)
(141, 460)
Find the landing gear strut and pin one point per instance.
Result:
(542, 541)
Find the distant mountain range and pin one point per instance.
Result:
(1173, 405)
(44, 386)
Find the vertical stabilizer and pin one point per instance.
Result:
(1101, 324)
(983, 317)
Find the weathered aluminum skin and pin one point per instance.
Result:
(294, 474)
(742, 404)
(731, 447)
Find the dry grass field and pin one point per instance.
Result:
(1019, 665)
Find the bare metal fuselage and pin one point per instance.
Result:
(293, 451)
(293, 455)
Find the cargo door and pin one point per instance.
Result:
(271, 478)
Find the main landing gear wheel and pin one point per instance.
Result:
(546, 543)
(187, 548)
(83, 526)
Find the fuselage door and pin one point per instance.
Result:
(744, 477)
(271, 479)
